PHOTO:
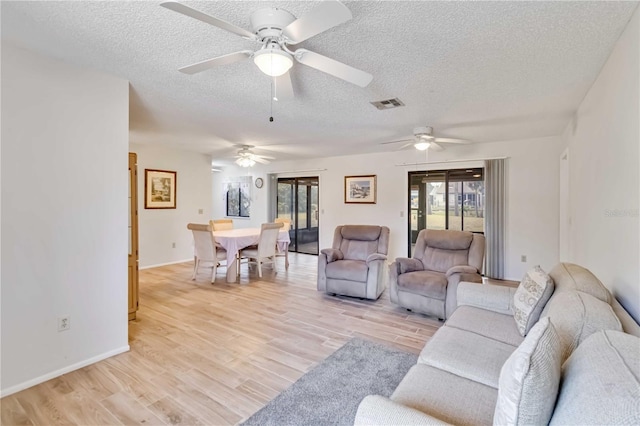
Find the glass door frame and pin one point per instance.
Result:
(455, 176)
(295, 210)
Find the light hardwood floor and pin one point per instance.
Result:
(215, 354)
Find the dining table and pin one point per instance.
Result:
(234, 240)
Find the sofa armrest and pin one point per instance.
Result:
(408, 265)
(375, 256)
(494, 298)
(378, 410)
(461, 269)
(332, 254)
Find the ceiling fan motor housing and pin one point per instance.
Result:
(268, 23)
(423, 132)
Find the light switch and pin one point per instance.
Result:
(200, 211)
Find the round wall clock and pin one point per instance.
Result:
(259, 183)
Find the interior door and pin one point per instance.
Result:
(133, 236)
(298, 200)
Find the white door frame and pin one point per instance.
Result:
(564, 211)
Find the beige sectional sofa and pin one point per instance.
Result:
(579, 364)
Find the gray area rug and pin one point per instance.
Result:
(330, 393)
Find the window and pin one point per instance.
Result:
(238, 197)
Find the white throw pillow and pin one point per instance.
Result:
(529, 379)
(532, 294)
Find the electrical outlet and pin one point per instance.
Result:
(523, 258)
(64, 323)
(200, 211)
(173, 245)
(401, 213)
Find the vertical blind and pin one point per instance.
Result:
(495, 217)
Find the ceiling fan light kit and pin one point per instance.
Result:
(245, 162)
(422, 146)
(273, 61)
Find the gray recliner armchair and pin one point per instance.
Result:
(428, 282)
(356, 265)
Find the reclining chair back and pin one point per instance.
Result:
(357, 242)
(440, 250)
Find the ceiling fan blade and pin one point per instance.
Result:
(333, 67)
(327, 14)
(220, 60)
(449, 140)
(260, 160)
(201, 16)
(410, 142)
(266, 157)
(283, 87)
(435, 147)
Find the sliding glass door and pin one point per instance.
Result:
(298, 201)
(446, 199)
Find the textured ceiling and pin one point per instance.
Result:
(483, 71)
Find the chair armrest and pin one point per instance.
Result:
(408, 265)
(376, 256)
(461, 269)
(494, 298)
(332, 254)
(378, 410)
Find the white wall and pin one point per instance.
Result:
(159, 229)
(532, 201)
(64, 217)
(603, 141)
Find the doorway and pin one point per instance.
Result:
(446, 199)
(298, 201)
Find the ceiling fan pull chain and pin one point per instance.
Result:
(273, 83)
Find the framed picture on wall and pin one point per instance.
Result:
(360, 189)
(159, 189)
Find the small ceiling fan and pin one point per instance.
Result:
(247, 158)
(277, 30)
(423, 139)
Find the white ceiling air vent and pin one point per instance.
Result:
(388, 103)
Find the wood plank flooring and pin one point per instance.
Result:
(215, 354)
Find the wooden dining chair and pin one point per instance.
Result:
(206, 249)
(284, 220)
(283, 248)
(265, 252)
(221, 224)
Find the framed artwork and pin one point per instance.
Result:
(360, 189)
(159, 189)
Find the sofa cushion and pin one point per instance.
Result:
(442, 394)
(572, 277)
(530, 378)
(532, 295)
(467, 355)
(576, 316)
(486, 323)
(600, 382)
(351, 270)
(426, 283)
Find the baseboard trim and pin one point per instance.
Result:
(165, 264)
(60, 372)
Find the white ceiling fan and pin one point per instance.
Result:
(247, 158)
(423, 139)
(277, 30)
